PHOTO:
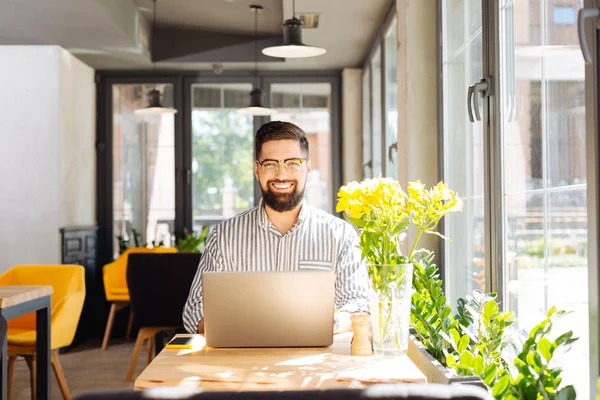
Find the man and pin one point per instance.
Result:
(283, 233)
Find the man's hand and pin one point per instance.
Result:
(342, 323)
(201, 326)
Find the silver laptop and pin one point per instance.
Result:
(268, 309)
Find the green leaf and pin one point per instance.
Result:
(564, 338)
(463, 343)
(545, 348)
(566, 393)
(467, 358)
(500, 386)
(489, 374)
(451, 361)
(490, 309)
(478, 365)
(455, 336)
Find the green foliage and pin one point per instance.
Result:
(477, 349)
(124, 242)
(222, 148)
(534, 377)
(431, 315)
(473, 342)
(193, 242)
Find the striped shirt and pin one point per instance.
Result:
(250, 242)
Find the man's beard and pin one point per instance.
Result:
(281, 202)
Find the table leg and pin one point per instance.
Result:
(43, 352)
(3, 357)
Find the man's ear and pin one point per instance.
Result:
(308, 165)
(256, 170)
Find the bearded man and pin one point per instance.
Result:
(284, 233)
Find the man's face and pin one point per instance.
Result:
(282, 190)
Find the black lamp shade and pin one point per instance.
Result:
(154, 105)
(256, 107)
(292, 46)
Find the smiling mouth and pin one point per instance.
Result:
(282, 185)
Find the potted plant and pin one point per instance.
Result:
(193, 242)
(382, 212)
(478, 344)
(474, 345)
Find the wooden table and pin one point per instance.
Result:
(274, 368)
(20, 300)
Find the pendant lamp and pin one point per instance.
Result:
(292, 46)
(256, 95)
(154, 105)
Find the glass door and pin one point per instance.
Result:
(143, 166)
(222, 153)
(308, 105)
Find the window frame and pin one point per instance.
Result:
(494, 206)
(378, 43)
(182, 81)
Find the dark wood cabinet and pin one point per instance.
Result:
(79, 247)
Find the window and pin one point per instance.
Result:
(308, 106)
(545, 207)
(380, 104)
(143, 168)
(367, 146)
(564, 15)
(530, 144)
(391, 101)
(463, 149)
(376, 114)
(222, 153)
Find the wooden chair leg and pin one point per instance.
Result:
(60, 376)
(31, 363)
(136, 353)
(150, 349)
(109, 324)
(9, 375)
(129, 324)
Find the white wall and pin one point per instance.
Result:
(46, 131)
(76, 152)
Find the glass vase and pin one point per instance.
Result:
(391, 289)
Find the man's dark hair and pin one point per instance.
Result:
(279, 130)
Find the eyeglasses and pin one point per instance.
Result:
(292, 165)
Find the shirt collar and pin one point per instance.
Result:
(264, 221)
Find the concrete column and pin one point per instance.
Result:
(417, 97)
(351, 125)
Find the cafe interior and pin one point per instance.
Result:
(127, 133)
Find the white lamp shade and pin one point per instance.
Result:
(292, 51)
(258, 111)
(292, 46)
(155, 111)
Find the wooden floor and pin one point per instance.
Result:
(87, 368)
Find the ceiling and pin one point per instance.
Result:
(191, 34)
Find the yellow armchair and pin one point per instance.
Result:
(68, 282)
(114, 275)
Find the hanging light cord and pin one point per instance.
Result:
(255, 46)
(153, 37)
(293, 8)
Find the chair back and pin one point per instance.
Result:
(411, 391)
(68, 283)
(114, 274)
(159, 285)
